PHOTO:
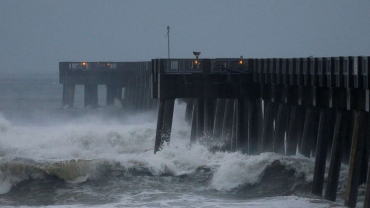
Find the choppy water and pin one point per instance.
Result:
(104, 158)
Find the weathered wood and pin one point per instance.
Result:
(242, 125)
(254, 126)
(268, 127)
(164, 123)
(219, 117)
(200, 117)
(228, 119)
(91, 95)
(209, 111)
(68, 94)
(280, 128)
(339, 133)
(357, 150)
(367, 194)
(189, 110)
(113, 93)
(323, 135)
(194, 125)
(309, 132)
(295, 129)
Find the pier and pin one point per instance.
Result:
(316, 106)
(126, 82)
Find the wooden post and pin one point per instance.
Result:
(228, 119)
(113, 92)
(189, 110)
(254, 125)
(200, 117)
(295, 128)
(164, 123)
(219, 117)
(91, 95)
(357, 150)
(367, 194)
(280, 127)
(309, 132)
(268, 127)
(241, 125)
(323, 135)
(209, 108)
(68, 94)
(194, 125)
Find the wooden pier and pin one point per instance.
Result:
(316, 106)
(126, 82)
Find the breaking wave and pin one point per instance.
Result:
(93, 150)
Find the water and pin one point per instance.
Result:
(53, 157)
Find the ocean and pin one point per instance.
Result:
(55, 157)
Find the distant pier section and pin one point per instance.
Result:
(126, 82)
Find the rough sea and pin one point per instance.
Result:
(59, 158)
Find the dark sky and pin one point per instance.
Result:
(35, 35)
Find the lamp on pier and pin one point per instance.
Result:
(241, 60)
(196, 62)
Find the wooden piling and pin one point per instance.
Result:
(280, 127)
(295, 129)
(164, 123)
(339, 133)
(200, 117)
(323, 135)
(68, 94)
(219, 116)
(309, 132)
(241, 127)
(91, 95)
(194, 125)
(268, 127)
(189, 110)
(228, 119)
(254, 126)
(357, 150)
(209, 108)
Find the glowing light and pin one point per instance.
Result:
(241, 61)
(84, 64)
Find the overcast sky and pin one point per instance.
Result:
(35, 35)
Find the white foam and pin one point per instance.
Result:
(94, 138)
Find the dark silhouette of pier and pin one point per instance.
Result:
(318, 107)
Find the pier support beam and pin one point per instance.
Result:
(357, 151)
(68, 94)
(209, 111)
(241, 127)
(323, 135)
(113, 93)
(309, 132)
(268, 127)
(91, 95)
(219, 117)
(254, 125)
(280, 127)
(164, 123)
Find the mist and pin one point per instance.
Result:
(36, 35)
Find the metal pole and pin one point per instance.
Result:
(168, 42)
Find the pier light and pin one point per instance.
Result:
(196, 62)
(241, 60)
(84, 64)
